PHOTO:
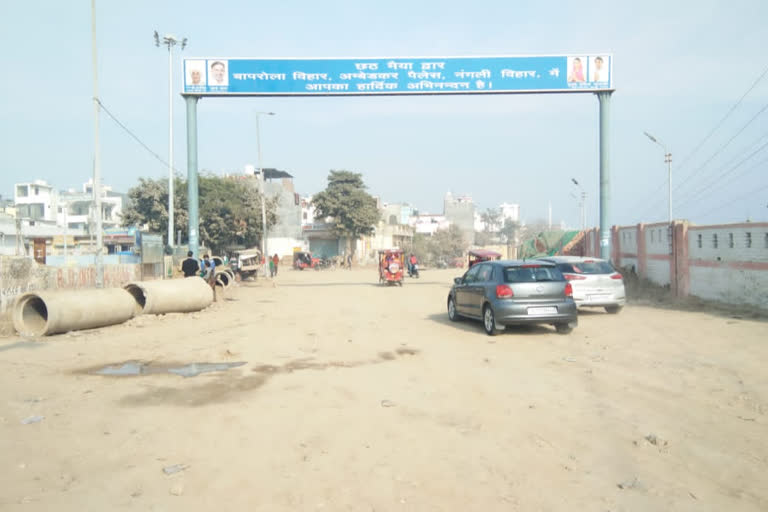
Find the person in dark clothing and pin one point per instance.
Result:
(190, 266)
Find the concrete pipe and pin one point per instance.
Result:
(50, 312)
(225, 278)
(170, 295)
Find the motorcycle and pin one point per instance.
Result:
(413, 270)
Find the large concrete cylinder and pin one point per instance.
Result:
(170, 295)
(50, 312)
(225, 278)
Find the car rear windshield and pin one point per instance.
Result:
(532, 274)
(587, 267)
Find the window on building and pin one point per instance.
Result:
(699, 240)
(304, 215)
(730, 240)
(766, 241)
(748, 240)
(714, 240)
(22, 191)
(37, 191)
(653, 236)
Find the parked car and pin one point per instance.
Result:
(513, 292)
(595, 282)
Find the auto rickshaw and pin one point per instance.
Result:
(391, 266)
(478, 255)
(302, 260)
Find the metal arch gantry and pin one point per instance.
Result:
(604, 100)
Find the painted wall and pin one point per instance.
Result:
(20, 275)
(729, 262)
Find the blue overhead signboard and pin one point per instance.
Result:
(398, 75)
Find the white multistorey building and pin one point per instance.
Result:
(35, 200)
(39, 201)
(510, 211)
(507, 211)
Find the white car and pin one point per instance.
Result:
(595, 282)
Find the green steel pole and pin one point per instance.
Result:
(192, 187)
(604, 97)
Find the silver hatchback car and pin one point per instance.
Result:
(513, 292)
(595, 282)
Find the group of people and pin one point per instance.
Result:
(206, 268)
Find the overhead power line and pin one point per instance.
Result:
(133, 135)
(726, 116)
(735, 199)
(698, 194)
(687, 158)
(721, 148)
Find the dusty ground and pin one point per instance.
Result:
(359, 397)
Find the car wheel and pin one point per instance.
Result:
(453, 316)
(489, 321)
(612, 309)
(563, 328)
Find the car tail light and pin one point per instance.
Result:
(530, 265)
(616, 276)
(573, 277)
(568, 290)
(503, 291)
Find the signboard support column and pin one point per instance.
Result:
(604, 97)
(192, 187)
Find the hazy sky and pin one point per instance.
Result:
(679, 68)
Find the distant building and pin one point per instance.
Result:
(286, 235)
(429, 224)
(396, 213)
(37, 200)
(76, 209)
(510, 211)
(506, 210)
(460, 211)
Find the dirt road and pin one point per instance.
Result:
(359, 397)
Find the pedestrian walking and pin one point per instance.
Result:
(209, 274)
(190, 266)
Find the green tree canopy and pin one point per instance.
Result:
(442, 247)
(230, 210)
(353, 211)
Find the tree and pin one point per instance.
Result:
(508, 232)
(230, 210)
(353, 211)
(449, 244)
(492, 220)
(441, 248)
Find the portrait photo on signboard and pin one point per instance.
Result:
(195, 72)
(218, 73)
(577, 69)
(598, 68)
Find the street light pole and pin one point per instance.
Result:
(96, 155)
(170, 41)
(668, 161)
(583, 204)
(263, 193)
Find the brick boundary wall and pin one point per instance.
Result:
(723, 262)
